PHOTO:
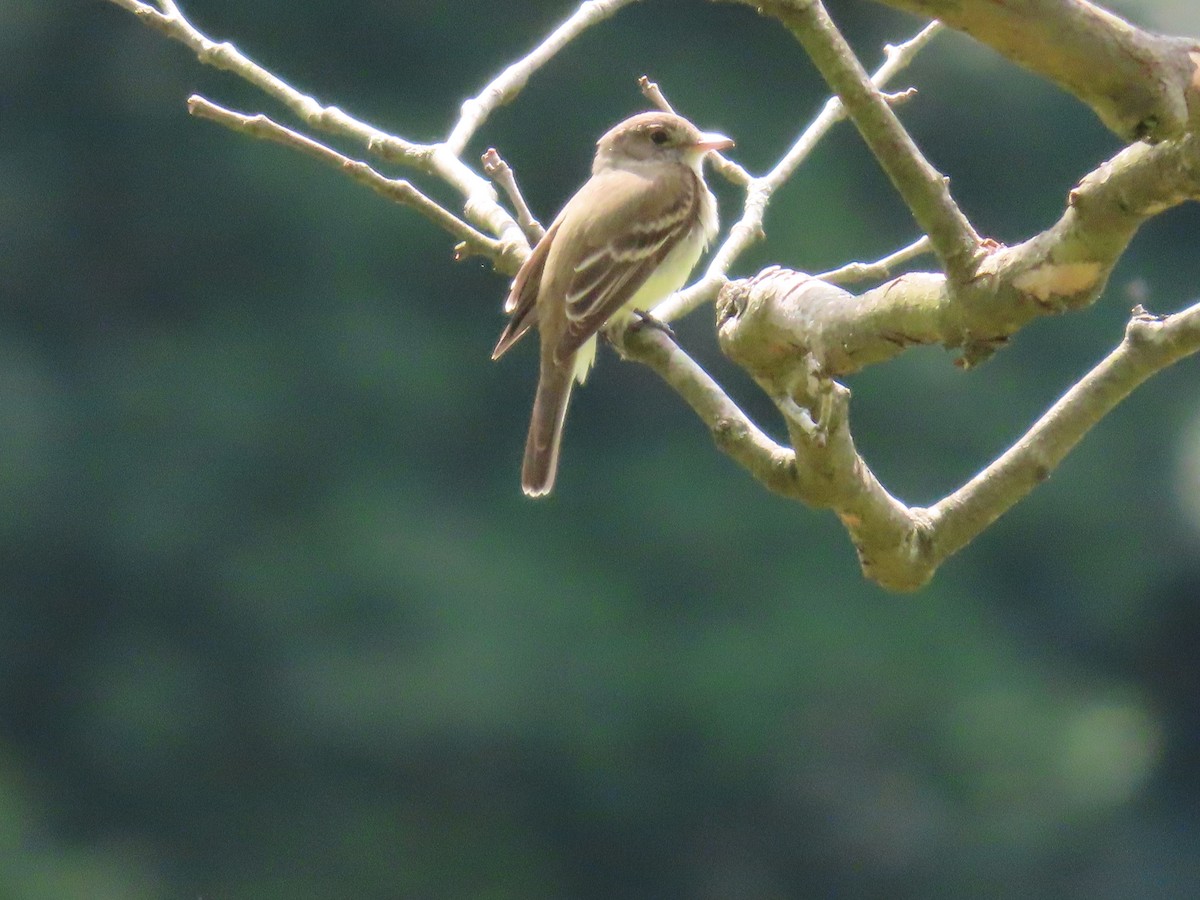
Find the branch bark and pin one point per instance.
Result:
(901, 547)
(1061, 269)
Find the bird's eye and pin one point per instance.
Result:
(659, 136)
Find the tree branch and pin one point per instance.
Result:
(480, 204)
(795, 333)
(856, 271)
(505, 86)
(924, 189)
(749, 229)
(778, 315)
(397, 190)
(1151, 344)
(1141, 85)
(501, 172)
(732, 430)
(902, 547)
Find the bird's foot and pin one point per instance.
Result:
(643, 319)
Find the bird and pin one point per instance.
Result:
(628, 238)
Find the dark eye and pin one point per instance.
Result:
(659, 136)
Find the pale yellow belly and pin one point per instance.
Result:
(667, 279)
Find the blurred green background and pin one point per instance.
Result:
(276, 621)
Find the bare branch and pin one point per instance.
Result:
(501, 172)
(505, 86)
(749, 229)
(138, 8)
(856, 271)
(795, 333)
(901, 547)
(397, 190)
(1063, 268)
(481, 204)
(732, 430)
(652, 92)
(1151, 344)
(1137, 82)
(924, 189)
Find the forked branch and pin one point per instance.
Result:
(901, 547)
(1142, 85)
(795, 334)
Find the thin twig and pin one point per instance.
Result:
(652, 92)
(883, 268)
(397, 190)
(501, 172)
(505, 86)
(749, 229)
(480, 202)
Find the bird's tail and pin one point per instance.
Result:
(546, 426)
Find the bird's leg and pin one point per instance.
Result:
(643, 319)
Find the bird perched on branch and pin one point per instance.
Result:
(627, 239)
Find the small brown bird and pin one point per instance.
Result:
(627, 239)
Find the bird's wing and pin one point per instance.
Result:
(521, 303)
(608, 273)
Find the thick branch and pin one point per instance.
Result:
(778, 320)
(794, 333)
(901, 547)
(1141, 85)
(778, 316)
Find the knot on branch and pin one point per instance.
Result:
(904, 566)
(767, 323)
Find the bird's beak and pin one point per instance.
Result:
(710, 140)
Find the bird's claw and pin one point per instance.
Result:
(643, 319)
